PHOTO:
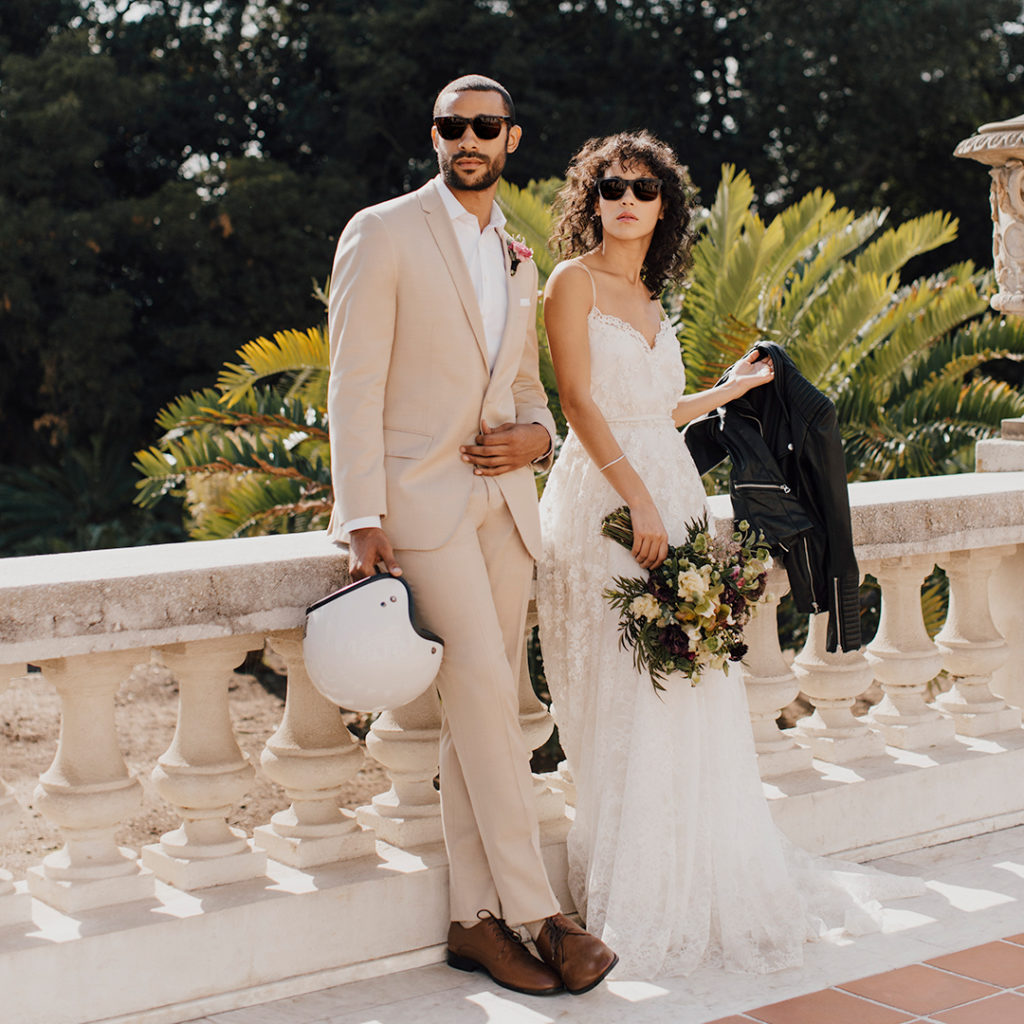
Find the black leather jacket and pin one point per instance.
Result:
(788, 479)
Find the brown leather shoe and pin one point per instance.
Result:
(493, 947)
(582, 960)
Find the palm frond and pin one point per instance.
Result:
(895, 248)
(257, 505)
(302, 355)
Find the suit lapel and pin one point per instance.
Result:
(440, 225)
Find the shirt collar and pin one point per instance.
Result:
(456, 209)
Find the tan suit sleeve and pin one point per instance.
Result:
(361, 323)
(530, 397)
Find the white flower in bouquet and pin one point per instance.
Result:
(646, 607)
(692, 585)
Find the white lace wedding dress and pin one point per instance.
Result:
(674, 859)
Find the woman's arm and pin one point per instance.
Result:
(567, 301)
(750, 372)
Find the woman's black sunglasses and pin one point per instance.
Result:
(645, 189)
(485, 126)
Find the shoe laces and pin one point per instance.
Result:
(558, 932)
(503, 927)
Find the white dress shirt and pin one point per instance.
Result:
(485, 260)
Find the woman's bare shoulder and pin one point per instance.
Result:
(570, 282)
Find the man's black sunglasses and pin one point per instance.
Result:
(645, 189)
(485, 126)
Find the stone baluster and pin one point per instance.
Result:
(203, 772)
(537, 724)
(771, 684)
(14, 906)
(905, 658)
(832, 682)
(312, 755)
(972, 648)
(87, 792)
(1007, 610)
(405, 741)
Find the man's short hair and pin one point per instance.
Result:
(477, 83)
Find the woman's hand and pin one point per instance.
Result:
(650, 538)
(753, 370)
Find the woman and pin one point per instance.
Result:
(673, 856)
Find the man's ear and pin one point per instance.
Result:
(433, 137)
(515, 133)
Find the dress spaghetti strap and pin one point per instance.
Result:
(593, 286)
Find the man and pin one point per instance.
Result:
(437, 413)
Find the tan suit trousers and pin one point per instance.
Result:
(473, 592)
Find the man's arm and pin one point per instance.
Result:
(361, 321)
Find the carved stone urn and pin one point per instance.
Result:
(1001, 146)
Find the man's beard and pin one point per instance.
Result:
(456, 184)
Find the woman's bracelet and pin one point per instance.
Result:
(612, 463)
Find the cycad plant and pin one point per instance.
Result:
(250, 456)
(904, 371)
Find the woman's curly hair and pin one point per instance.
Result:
(578, 229)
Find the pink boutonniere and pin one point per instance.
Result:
(519, 252)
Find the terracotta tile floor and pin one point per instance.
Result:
(980, 985)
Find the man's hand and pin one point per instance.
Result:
(367, 549)
(502, 449)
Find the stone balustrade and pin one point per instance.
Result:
(837, 781)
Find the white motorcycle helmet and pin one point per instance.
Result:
(362, 647)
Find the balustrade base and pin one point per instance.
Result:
(402, 832)
(932, 732)
(73, 896)
(420, 830)
(839, 749)
(999, 718)
(783, 761)
(201, 873)
(312, 851)
(15, 906)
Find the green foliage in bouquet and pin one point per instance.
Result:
(688, 614)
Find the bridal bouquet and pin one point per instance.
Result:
(689, 614)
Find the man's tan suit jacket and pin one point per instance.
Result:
(410, 381)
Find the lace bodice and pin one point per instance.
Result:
(629, 378)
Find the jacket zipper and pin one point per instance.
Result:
(753, 420)
(839, 612)
(810, 576)
(763, 487)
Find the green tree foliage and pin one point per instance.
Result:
(874, 98)
(142, 235)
